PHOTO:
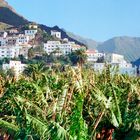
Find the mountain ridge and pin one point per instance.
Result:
(8, 13)
(125, 45)
(92, 44)
(4, 3)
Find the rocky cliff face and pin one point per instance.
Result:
(3, 3)
(9, 16)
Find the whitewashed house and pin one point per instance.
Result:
(13, 31)
(99, 67)
(117, 62)
(62, 48)
(22, 39)
(131, 71)
(5, 34)
(8, 40)
(76, 47)
(3, 41)
(9, 51)
(114, 58)
(56, 34)
(31, 33)
(93, 55)
(17, 66)
(11, 40)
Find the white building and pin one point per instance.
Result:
(17, 66)
(11, 40)
(52, 46)
(99, 67)
(15, 39)
(22, 39)
(118, 63)
(13, 31)
(76, 47)
(9, 51)
(3, 41)
(129, 70)
(114, 58)
(5, 34)
(30, 33)
(8, 41)
(93, 55)
(56, 34)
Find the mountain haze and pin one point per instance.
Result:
(127, 46)
(90, 43)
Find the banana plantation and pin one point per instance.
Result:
(69, 104)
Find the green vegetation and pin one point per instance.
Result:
(4, 26)
(37, 55)
(47, 37)
(69, 104)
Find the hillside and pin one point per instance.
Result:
(63, 33)
(90, 43)
(127, 46)
(9, 16)
(4, 26)
(3, 3)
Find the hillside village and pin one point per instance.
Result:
(15, 43)
(56, 85)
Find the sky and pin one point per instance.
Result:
(96, 19)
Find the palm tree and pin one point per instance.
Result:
(31, 53)
(79, 57)
(35, 70)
